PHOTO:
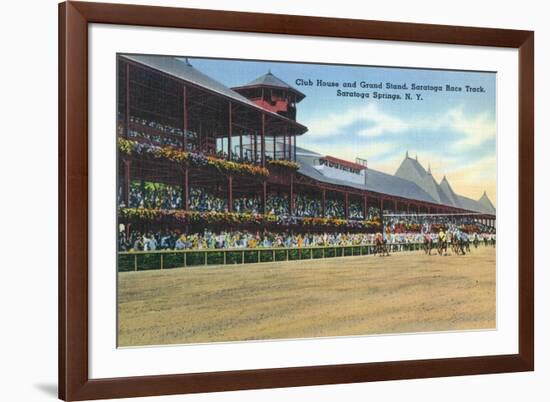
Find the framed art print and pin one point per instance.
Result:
(257, 201)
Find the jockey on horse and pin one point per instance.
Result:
(442, 242)
(458, 242)
(465, 239)
(428, 243)
(380, 245)
(476, 240)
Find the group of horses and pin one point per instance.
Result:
(456, 242)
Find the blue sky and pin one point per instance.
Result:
(452, 132)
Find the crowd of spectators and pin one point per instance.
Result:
(247, 157)
(164, 128)
(373, 213)
(153, 195)
(277, 204)
(334, 208)
(164, 196)
(201, 200)
(249, 204)
(168, 135)
(173, 240)
(307, 206)
(355, 211)
(433, 223)
(157, 139)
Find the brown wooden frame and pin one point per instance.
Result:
(74, 382)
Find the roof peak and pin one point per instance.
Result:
(486, 202)
(270, 80)
(484, 196)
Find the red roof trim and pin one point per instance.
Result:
(343, 162)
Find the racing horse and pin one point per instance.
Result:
(465, 240)
(380, 246)
(442, 245)
(428, 244)
(457, 243)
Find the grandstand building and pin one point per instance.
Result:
(185, 130)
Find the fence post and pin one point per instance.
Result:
(242, 257)
(161, 261)
(205, 258)
(287, 254)
(258, 255)
(273, 254)
(224, 257)
(135, 262)
(185, 259)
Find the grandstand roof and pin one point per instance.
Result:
(443, 193)
(272, 81)
(411, 181)
(180, 68)
(411, 169)
(486, 202)
(376, 181)
(448, 191)
(431, 187)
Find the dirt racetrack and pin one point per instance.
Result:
(406, 292)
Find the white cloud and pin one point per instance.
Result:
(381, 123)
(474, 130)
(378, 121)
